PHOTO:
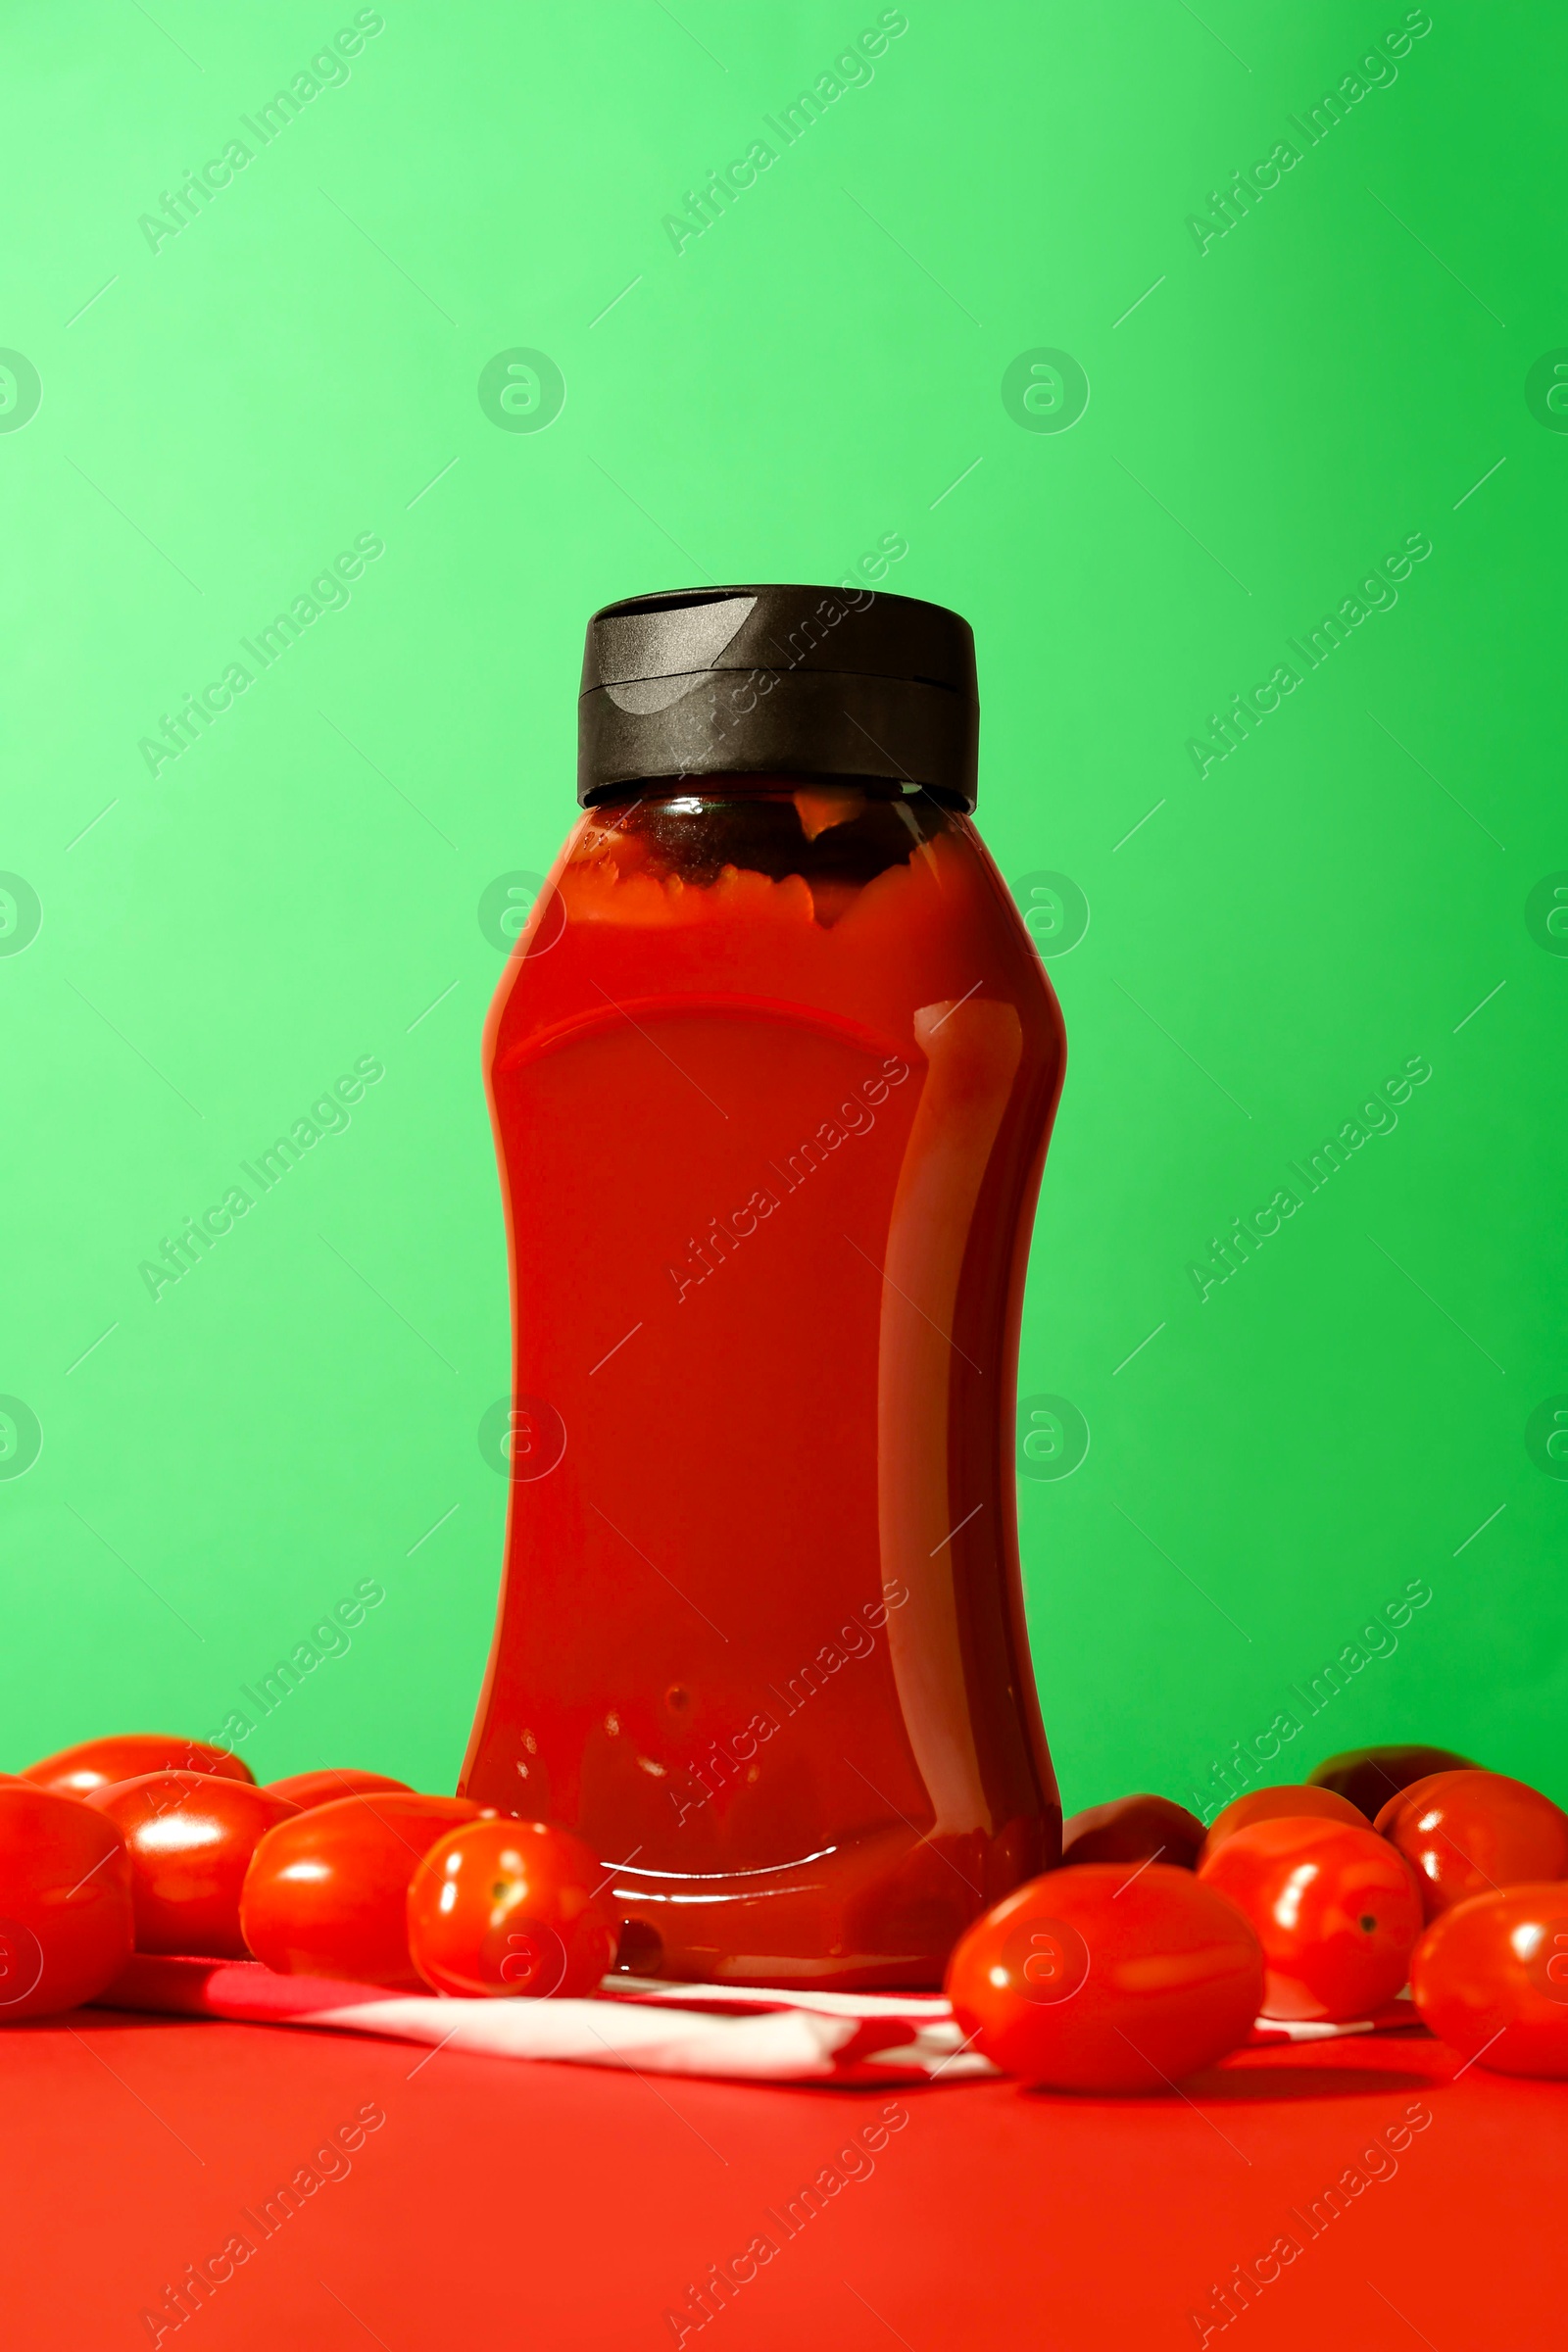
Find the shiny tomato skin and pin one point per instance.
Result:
(1466, 1833)
(126, 1756)
(1276, 1805)
(1491, 1979)
(326, 1892)
(1099, 1978)
(67, 1925)
(516, 1908)
(1335, 1909)
(322, 1787)
(1370, 1775)
(1134, 1829)
(190, 1837)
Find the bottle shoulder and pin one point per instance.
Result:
(820, 904)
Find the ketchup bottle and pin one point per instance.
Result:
(772, 1070)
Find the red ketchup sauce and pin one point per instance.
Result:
(772, 1071)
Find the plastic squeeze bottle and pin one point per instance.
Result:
(772, 1070)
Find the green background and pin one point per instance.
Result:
(1268, 417)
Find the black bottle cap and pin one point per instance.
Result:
(771, 681)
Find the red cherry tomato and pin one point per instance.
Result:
(1335, 1909)
(512, 1907)
(1467, 1832)
(125, 1756)
(1370, 1775)
(66, 1921)
(326, 1895)
(190, 1836)
(1491, 1979)
(1134, 1829)
(307, 1788)
(1278, 1805)
(1096, 1978)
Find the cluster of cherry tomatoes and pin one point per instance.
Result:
(1151, 1951)
(1148, 1955)
(142, 1843)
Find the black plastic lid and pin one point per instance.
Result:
(771, 681)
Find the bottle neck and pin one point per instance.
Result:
(734, 785)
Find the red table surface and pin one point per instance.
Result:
(537, 2206)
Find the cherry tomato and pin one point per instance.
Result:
(1370, 1775)
(1335, 1909)
(125, 1756)
(1134, 1829)
(512, 1907)
(1467, 1832)
(326, 1895)
(1276, 1805)
(190, 1836)
(1491, 1979)
(66, 1921)
(307, 1788)
(1095, 1978)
